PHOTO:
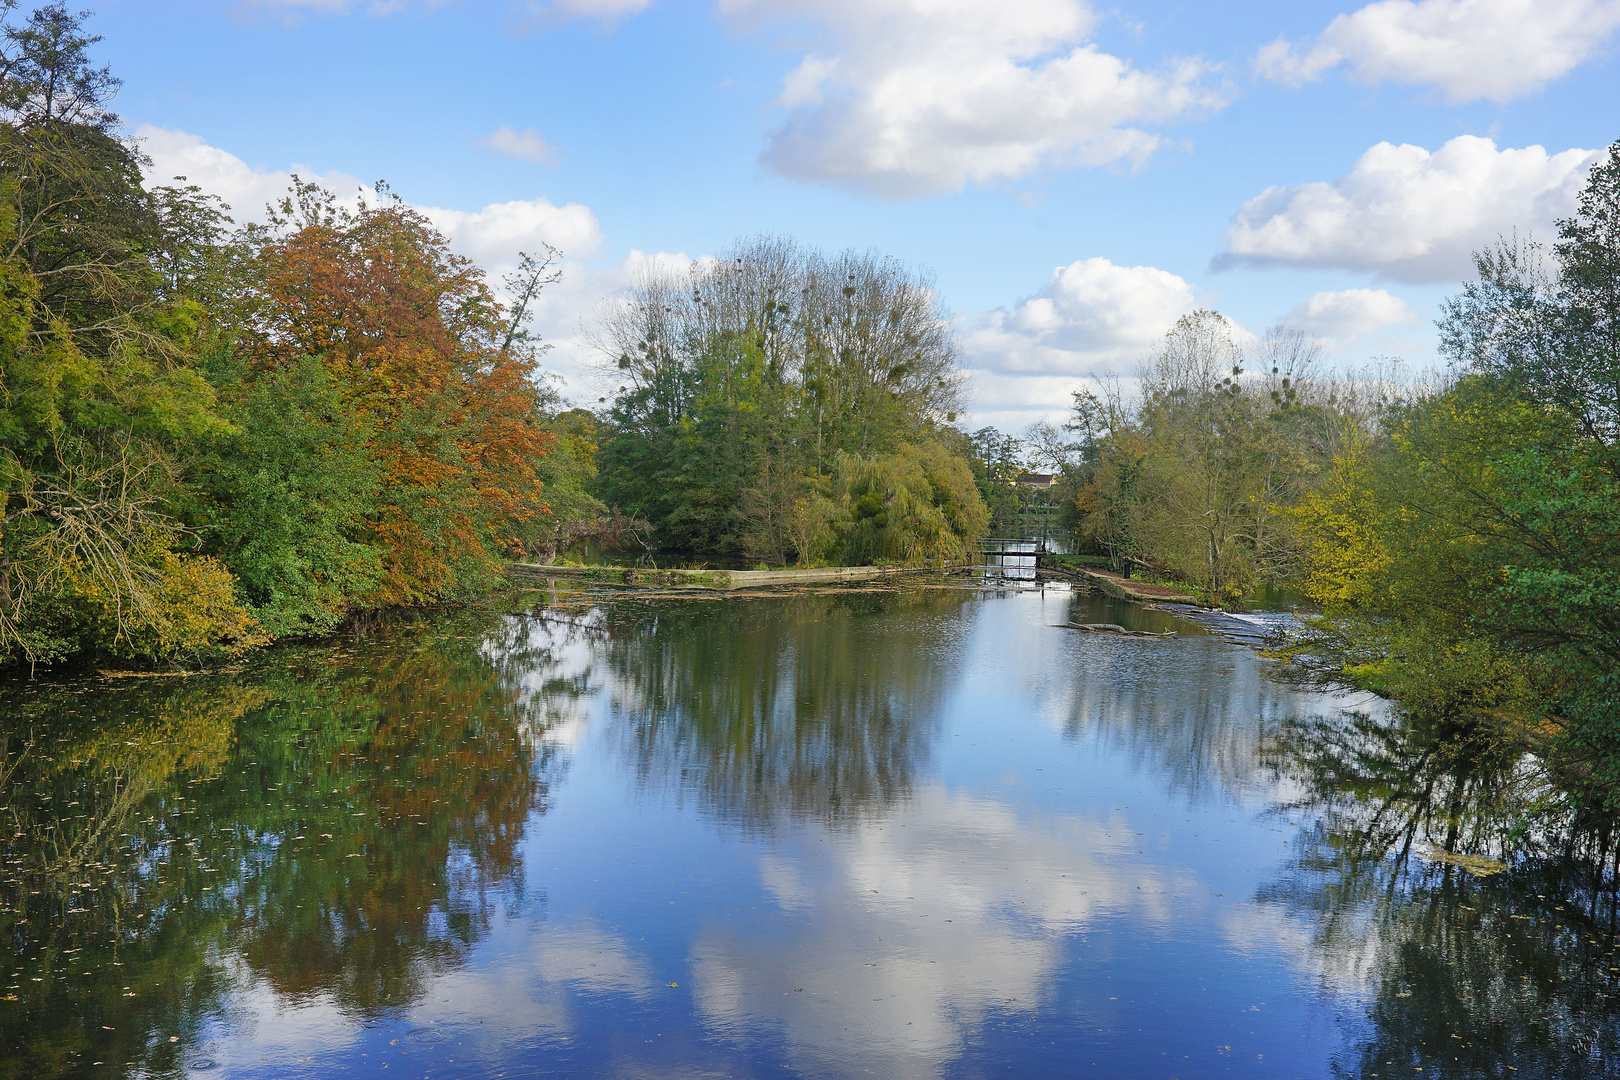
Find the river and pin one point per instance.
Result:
(908, 832)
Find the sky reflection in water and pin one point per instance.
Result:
(915, 834)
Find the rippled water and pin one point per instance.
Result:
(901, 833)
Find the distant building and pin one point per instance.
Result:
(1038, 481)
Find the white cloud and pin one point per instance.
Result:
(1408, 214)
(491, 236)
(525, 145)
(494, 235)
(1349, 313)
(244, 188)
(1495, 50)
(920, 97)
(1091, 318)
(563, 310)
(1011, 402)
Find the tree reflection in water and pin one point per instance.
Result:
(1187, 714)
(814, 707)
(338, 823)
(1474, 973)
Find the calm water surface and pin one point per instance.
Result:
(916, 833)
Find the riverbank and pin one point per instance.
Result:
(713, 579)
(1114, 585)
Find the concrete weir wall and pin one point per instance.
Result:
(710, 579)
(1139, 592)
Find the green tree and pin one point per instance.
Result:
(1197, 476)
(99, 397)
(282, 500)
(996, 461)
(1470, 557)
(743, 382)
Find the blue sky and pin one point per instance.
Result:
(1074, 175)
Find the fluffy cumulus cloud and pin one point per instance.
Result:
(1409, 214)
(1349, 313)
(247, 190)
(919, 97)
(1091, 318)
(495, 234)
(1494, 50)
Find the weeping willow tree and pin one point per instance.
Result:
(916, 506)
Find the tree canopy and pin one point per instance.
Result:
(213, 436)
(747, 388)
(1467, 549)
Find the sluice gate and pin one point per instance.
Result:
(1009, 559)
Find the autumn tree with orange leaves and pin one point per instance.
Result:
(212, 437)
(416, 347)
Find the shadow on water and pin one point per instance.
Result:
(335, 823)
(1450, 880)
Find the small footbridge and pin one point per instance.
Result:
(1009, 558)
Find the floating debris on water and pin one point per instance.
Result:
(1477, 865)
(1115, 630)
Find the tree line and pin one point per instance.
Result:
(211, 436)
(1459, 532)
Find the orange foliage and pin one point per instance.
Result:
(413, 336)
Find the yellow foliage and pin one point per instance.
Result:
(185, 606)
(1345, 555)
